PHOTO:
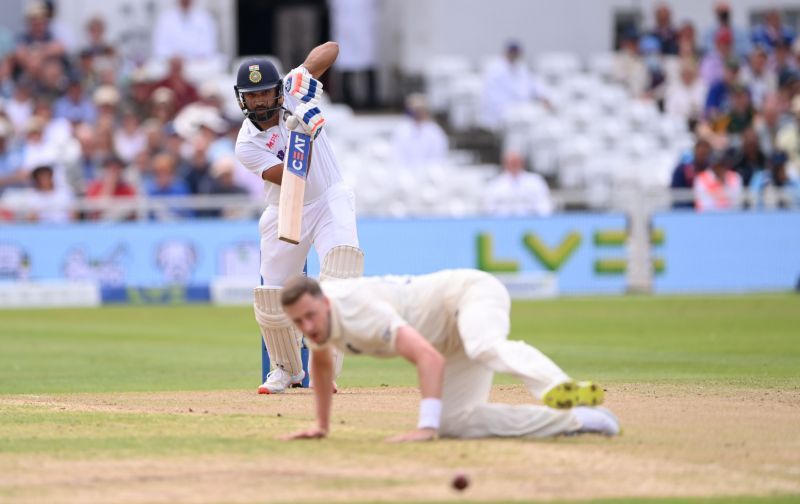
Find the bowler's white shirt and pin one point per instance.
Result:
(516, 195)
(191, 34)
(258, 150)
(366, 312)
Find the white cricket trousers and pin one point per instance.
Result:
(328, 221)
(483, 324)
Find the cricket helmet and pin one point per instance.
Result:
(258, 74)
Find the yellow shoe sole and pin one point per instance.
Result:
(570, 394)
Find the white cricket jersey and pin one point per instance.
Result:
(258, 150)
(367, 312)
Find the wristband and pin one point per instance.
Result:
(430, 412)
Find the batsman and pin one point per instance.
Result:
(274, 109)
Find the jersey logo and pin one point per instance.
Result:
(255, 76)
(272, 140)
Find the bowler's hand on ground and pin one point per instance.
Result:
(312, 433)
(415, 435)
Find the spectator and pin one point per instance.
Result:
(75, 106)
(788, 137)
(740, 116)
(752, 159)
(516, 192)
(6, 79)
(354, 25)
(740, 36)
(759, 78)
(129, 138)
(772, 32)
(19, 108)
(36, 43)
(197, 170)
(223, 171)
(184, 93)
(46, 201)
(666, 34)
(87, 166)
(165, 183)
(507, 83)
(684, 174)
(687, 42)
(10, 161)
(186, 31)
(777, 177)
(783, 61)
(768, 123)
(650, 50)
(106, 98)
(686, 97)
(714, 63)
(35, 151)
(719, 188)
(163, 105)
(109, 187)
(97, 44)
(52, 80)
(139, 91)
(718, 102)
(418, 140)
(629, 68)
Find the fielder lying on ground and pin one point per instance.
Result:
(453, 326)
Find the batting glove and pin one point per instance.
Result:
(301, 85)
(307, 117)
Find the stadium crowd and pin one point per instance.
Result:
(82, 121)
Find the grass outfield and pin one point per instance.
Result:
(157, 404)
(742, 341)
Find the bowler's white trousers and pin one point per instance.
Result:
(483, 324)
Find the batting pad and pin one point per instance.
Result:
(342, 261)
(281, 338)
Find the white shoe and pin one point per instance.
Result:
(597, 421)
(279, 380)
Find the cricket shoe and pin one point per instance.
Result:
(571, 393)
(279, 380)
(596, 421)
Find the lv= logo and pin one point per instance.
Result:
(553, 258)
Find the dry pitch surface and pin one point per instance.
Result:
(678, 441)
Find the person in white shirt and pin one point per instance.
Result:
(418, 140)
(507, 82)
(453, 326)
(686, 97)
(45, 201)
(329, 219)
(187, 31)
(516, 192)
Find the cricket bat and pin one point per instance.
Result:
(293, 187)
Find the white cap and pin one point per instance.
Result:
(106, 95)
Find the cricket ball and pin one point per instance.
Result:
(460, 482)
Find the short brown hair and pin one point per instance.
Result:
(295, 287)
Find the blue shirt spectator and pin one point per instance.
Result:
(772, 33)
(777, 177)
(74, 105)
(165, 182)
